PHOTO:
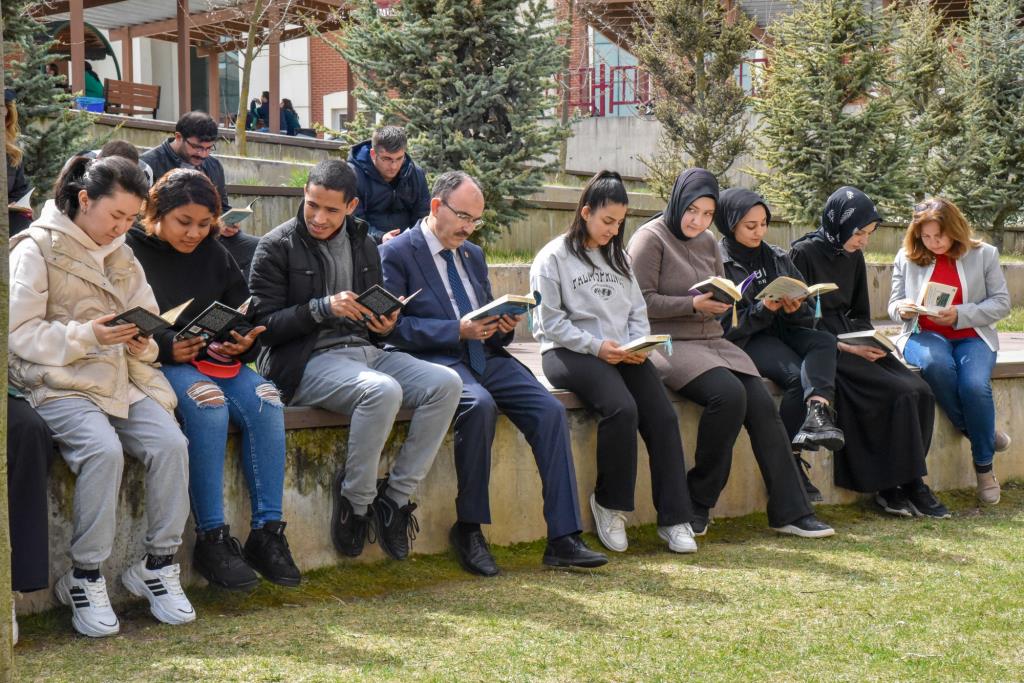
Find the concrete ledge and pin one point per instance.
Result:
(316, 445)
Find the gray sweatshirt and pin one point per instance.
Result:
(581, 305)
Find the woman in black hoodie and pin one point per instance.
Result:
(184, 262)
(778, 335)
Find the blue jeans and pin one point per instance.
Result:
(205, 405)
(960, 374)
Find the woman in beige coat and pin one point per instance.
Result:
(95, 384)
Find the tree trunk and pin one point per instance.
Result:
(241, 141)
(6, 656)
(997, 229)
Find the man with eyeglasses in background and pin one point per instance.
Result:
(193, 145)
(393, 191)
(450, 274)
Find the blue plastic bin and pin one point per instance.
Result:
(94, 104)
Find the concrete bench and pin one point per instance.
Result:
(316, 443)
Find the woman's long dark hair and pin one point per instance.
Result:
(180, 187)
(604, 188)
(99, 178)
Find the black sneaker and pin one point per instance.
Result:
(348, 530)
(819, 429)
(571, 551)
(807, 526)
(894, 502)
(267, 551)
(802, 466)
(218, 559)
(701, 520)
(395, 527)
(923, 502)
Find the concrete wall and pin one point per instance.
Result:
(314, 454)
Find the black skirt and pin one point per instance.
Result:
(886, 413)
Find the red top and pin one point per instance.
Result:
(945, 273)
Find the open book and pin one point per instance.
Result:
(868, 338)
(236, 216)
(24, 203)
(216, 321)
(149, 323)
(382, 302)
(784, 287)
(722, 289)
(646, 343)
(510, 304)
(934, 297)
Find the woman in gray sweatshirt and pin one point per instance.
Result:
(591, 306)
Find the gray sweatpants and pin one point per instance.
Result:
(93, 444)
(371, 385)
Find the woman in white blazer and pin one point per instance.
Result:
(955, 348)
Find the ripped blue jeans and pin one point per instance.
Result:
(205, 406)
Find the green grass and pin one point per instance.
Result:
(509, 257)
(885, 599)
(1013, 322)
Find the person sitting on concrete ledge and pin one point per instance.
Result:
(590, 307)
(393, 193)
(321, 349)
(96, 384)
(193, 145)
(450, 273)
(184, 261)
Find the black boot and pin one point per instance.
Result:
(267, 552)
(218, 559)
(571, 551)
(819, 429)
(802, 466)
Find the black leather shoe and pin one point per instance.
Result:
(571, 551)
(819, 429)
(472, 551)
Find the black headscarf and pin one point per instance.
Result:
(733, 205)
(846, 211)
(691, 185)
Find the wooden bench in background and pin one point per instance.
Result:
(130, 99)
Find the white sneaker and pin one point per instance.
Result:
(14, 624)
(91, 614)
(679, 537)
(611, 526)
(162, 587)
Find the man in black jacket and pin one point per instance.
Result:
(320, 348)
(393, 193)
(192, 146)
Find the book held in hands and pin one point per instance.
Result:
(646, 343)
(148, 322)
(933, 299)
(215, 322)
(510, 304)
(785, 287)
(23, 203)
(873, 338)
(236, 216)
(382, 302)
(722, 290)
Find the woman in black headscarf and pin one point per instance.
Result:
(885, 410)
(778, 335)
(670, 254)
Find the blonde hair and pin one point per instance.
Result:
(14, 154)
(951, 223)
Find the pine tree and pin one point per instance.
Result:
(922, 58)
(471, 82)
(692, 52)
(988, 82)
(50, 130)
(828, 118)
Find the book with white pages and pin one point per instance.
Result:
(646, 343)
(509, 304)
(236, 216)
(873, 338)
(722, 289)
(933, 298)
(785, 287)
(23, 203)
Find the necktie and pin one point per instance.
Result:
(477, 359)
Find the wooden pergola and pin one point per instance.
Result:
(212, 27)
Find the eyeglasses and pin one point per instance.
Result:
(463, 216)
(208, 149)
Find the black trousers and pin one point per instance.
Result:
(29, 449)
(800, 360)
(731, 400)
(628, 398)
